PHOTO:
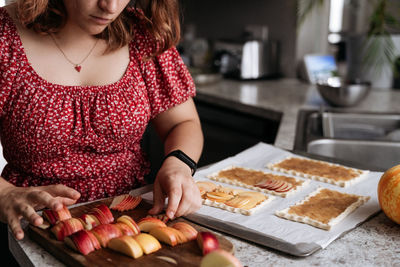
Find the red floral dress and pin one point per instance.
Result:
(85, 137)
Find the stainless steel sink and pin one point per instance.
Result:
(371, 139)
(380, 155)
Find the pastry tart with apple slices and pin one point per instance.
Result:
(257, 180)
(236, 200)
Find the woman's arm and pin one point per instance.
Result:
(179, 128)
(22, 202)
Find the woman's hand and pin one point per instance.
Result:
(174, 181)
(22, 202)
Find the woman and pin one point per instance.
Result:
(79, 82)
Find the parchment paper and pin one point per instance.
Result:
(264, 227)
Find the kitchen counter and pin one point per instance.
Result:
(375, 242)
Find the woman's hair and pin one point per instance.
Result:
(160, 17)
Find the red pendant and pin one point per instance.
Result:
(78, 68)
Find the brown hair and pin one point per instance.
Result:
(160, 18)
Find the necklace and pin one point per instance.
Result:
(77, 66)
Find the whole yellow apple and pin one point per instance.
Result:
(389, 193)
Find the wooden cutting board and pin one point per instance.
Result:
(188, 254)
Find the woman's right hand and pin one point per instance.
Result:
(22, 202)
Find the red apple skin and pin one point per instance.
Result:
(94, 240)
(126, 219)
(207, 242)
(66, 228)
(53, 217)
(105, 232)
(101, 217)
(106, 211)
(89, 221)
(82, 242)
(125, 229)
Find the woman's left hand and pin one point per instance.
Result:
(174, 181)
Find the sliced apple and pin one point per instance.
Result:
(162, 217)
(81, 242)
(102, 213)
(45, 225)
(165, 235)
(207, 242)
(147, 223)
(274, 184)
(219, 258)
(205, 186)
(95, 241)
(218, 196)
(66, 227)
(179, 235)
(125, 202)
(187, 230)
(130, 222)
(126, 245)
(230, 190)
(106, 232)
(284, 188)
(124, 228)
(53, 217)
(148, 243)
(242, 202)
(89, 221)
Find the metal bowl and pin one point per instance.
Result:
(343, 94)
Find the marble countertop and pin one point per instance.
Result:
(373, 243)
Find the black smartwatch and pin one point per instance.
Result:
(183, 157)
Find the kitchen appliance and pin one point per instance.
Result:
(252, 59)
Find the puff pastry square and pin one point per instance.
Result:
(319, 170)
(233, 199)
(323, 208)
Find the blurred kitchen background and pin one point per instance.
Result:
(223, 36)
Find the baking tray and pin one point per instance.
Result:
(309, 239)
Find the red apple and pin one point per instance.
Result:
(106, 211)
(147, 223)
(130, 222)
(105, 232)
(124, 228)
(94, 240)
(89, 221)
(67, 227)
(80, 241)
(188, 231)
(220, 258)
(55, 216)
(125, 202)
(207, 242)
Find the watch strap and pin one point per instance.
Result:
(183, 157)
